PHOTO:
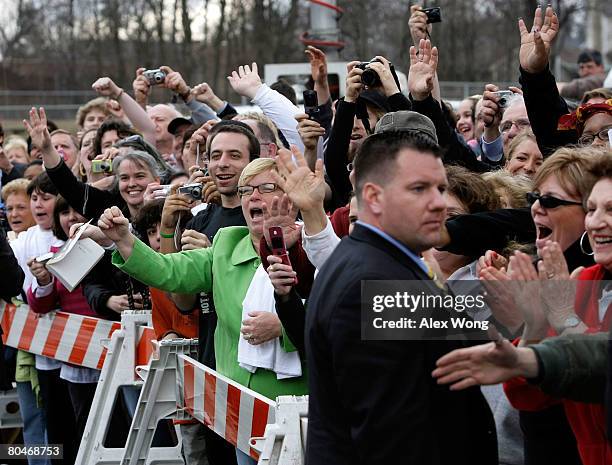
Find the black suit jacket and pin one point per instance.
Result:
(375, 402)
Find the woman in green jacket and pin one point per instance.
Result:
(226, 269)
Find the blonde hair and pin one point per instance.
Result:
(261, 119)
(15, 141)
(515, 187)
(257, 166)
(571, 166)
(17, 186)
(521, 137)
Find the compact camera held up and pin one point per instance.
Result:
(154, 76)
(504, 98)
(193, 190)
(434, 14)
(101, 166)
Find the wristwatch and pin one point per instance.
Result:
(571, 322)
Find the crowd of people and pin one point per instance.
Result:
(255, 233)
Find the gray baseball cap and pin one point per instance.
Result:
(410, 121)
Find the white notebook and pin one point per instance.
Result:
(74, 260)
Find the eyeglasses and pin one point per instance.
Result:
(548, 201)
(265, 188)
(588, 139)
(519, 123)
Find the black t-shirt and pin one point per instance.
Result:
(215, 217)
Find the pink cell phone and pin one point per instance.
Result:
(279, 249)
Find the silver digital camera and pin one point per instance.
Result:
(504, 98)
(193, 190)
(154, 76)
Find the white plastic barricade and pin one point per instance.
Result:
(233, 411)
(284, 442)
(157, 398)
(10, 415)
(120, 370)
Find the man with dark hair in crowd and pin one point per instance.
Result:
(231, 145)
(284, 88)
(592, 74)
(400, 186)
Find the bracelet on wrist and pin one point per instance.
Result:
(119, 95)
(166, 236)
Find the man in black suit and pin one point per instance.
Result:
(374, 401)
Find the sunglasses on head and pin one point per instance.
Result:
(548, 201)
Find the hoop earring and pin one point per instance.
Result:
(582, 247)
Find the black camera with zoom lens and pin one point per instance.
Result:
(433, 14)
(193, 190)
(370, 78)
(154, 76)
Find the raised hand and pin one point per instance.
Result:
(422, 71)
(114, 225)
(281, 213)
(174, 205)
(37, 129)
(309, 130)
(198, 139)
(535, 44)
(318, 63)
(141, 87)
(386, 77)
(205, 94)
(246, 81)
(175, 82)
(305, 189)
(353, 82)
(489, 110)
(282, 276)
(419, 29)
(107, 88)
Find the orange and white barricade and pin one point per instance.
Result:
(62, 336)
(175, 386)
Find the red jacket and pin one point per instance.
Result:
(588, 421)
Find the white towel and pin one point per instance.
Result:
(269, 355)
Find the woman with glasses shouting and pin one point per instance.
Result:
(232, 269)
